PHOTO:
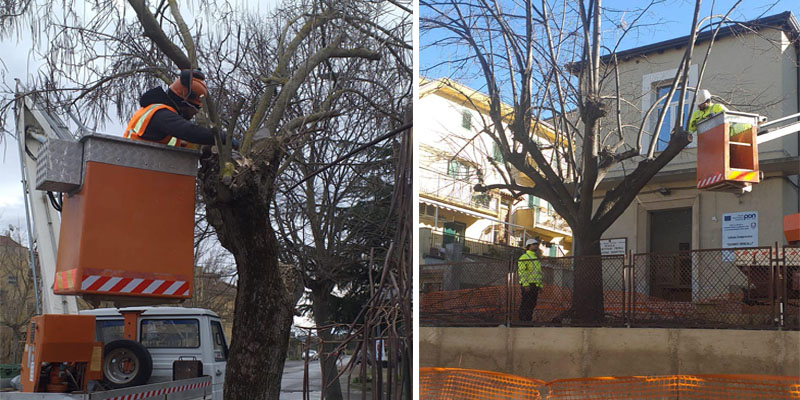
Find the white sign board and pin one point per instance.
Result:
(613, 247)
(740, 229)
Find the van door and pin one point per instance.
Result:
(220, 354)
(170, 339)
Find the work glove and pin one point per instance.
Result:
(234, 143)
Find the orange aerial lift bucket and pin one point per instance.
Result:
(791, 228)
(127, 231)
(727, 152)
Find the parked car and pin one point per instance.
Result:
(312, 355)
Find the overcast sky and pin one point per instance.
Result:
(19, 63)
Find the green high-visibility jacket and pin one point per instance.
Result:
(698, 115)
(529, 269)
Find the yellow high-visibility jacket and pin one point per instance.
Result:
(529, 269)
(698, 115)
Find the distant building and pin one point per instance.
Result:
(454, 157)
(214, 290)
(17, 300)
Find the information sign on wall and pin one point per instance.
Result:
(740, 229)
(613, 247)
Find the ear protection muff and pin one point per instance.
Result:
(186, 79)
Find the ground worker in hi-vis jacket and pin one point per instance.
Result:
(164, 116)
(529, 272)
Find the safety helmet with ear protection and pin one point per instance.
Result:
(190, 86)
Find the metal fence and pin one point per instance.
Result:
(435, 246)
(744, 288)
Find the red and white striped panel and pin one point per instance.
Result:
(763, 252)
(110, 284)
(710, 180)
(160, 392)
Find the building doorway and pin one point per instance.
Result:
(670, 262)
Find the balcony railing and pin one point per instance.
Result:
(541, 217)
(459, 191)
(471, 246)
(548, 218)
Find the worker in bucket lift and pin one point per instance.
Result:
(164, 115)
(529, 273)
(705, 108)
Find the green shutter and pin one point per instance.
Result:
(466, 119)
(457, 169)
(496, 153)
(553, 250)
(452, 168)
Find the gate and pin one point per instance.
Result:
(788, 278)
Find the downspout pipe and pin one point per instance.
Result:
(797, 94)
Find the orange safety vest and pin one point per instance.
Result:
(141, 118)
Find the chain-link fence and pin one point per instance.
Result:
(789, 292)
(553, 304)
(474, 294)
(744, 288)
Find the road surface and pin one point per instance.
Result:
(292, 382)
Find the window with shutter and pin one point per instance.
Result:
(497, 155)
(466, 119)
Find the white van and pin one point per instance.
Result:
(171, 334)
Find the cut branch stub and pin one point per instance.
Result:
(681, 136)
(593, 109)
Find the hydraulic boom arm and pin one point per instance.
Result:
(34, 126)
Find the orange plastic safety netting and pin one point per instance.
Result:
(453, 383)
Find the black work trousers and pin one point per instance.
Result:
(530, 294)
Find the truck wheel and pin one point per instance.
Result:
(126, 363)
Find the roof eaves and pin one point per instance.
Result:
(785, 20)
(477, 99)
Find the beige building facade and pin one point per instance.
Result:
(17, 299)
(756, 71)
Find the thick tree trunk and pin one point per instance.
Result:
(322, 317)
(587, 293)
(239, 212)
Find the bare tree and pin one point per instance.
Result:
(543, 59)
(332, 221)
(265, 74)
